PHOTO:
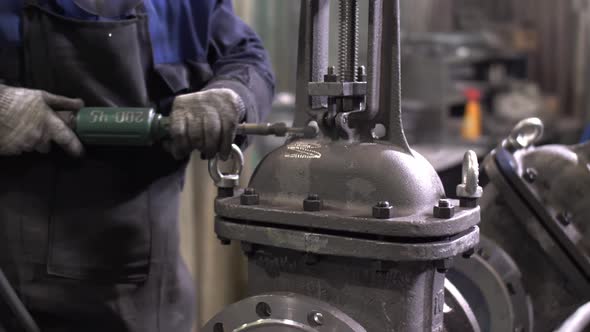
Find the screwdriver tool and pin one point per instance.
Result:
(144, 126)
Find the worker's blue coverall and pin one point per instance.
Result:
(93, 244)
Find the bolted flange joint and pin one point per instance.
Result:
(312, 203)
(383, 210)
(250, 197)
(444, 209)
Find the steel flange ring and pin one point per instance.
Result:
(281, 312)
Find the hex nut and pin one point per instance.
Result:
(315, 319)
(468, 202)
(383, 210)
(444, 209)
(530, 175)
(444, 265)
(469, 253)
(312, 203)
(565, 218)
(224, 241)
(250, 197)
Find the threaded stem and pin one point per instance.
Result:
(348, 40)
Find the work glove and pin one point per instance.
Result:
(28, 122)
(205, 121)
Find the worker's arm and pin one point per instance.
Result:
(241, 90)
(240, 62)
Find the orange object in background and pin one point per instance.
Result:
(472, 126)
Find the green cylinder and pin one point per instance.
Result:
(120, 126)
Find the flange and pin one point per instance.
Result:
(281, 312)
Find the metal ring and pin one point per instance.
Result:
(526, 133)
(469, 187)
(220, 178)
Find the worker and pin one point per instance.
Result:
(89, 237)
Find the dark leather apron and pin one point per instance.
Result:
(92, 244)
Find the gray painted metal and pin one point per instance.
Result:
(379, 295)
(459, 316)
(312, 60)
(419, 225)
(337, 89)
(350, 177)
(530, 189)
(390, 109)
(348, 246)
(312, 229)
(492, 284)
(281, 312)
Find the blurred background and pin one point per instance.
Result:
(471, 69)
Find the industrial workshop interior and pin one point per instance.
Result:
(294, 165)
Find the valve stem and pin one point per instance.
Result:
(348, 40)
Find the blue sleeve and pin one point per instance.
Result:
(240, 62)
(586, 135)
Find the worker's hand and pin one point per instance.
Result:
(205, 121)
(28, 122)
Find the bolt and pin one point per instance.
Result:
(530, 175)
(312, 203)
(444, 209)
(331, 76)
(224, 241)
(348, 40)
(311, 259)
(565, 218)
(469, 253)
(443, 265)
(316, 319)
(361, 74)
(468, 202)
(247, 248)
(469, 186)
(380, 266)
(444, 203)
(383, 210)
(250, 197)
